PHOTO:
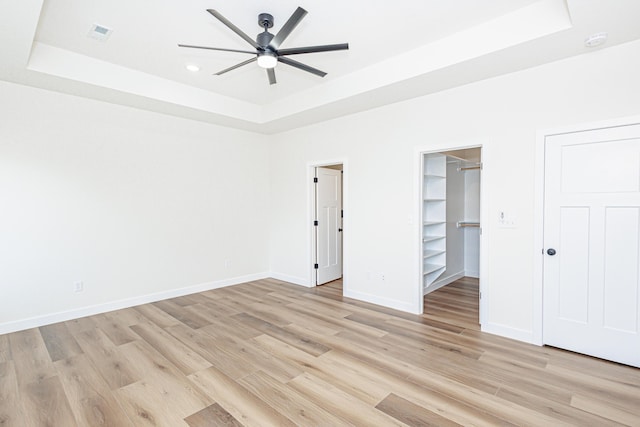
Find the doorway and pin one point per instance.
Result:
(327, 233)
(451, 224)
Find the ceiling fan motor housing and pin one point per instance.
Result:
(264, 39)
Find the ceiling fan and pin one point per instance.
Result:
(267, 46)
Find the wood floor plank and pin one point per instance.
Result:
(341, 404)
(30, 357)
(233, 365)
(259, 359)
(164, 395)
(308, 315)
(10, 399)
(106, 357)
(127, 316)
(346, 378)
(504, 409)
(218, 307)
(89, 396)
(155, 315)
(605, 410)
(5, 349)
(557, 377)
(45, 404)
(186, 359)
(59, 341)
(412, 414)
(431, 400)
(212, 415)
(116, 328)
(324, 325)
(557, 410)
(279, 396)
(245, 406)
(304, 344)
(75, 326)
(232, 327)
(190, 319)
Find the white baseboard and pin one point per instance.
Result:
(443, 282)
(385, 302)
(291, 279)
(472, 273)
(47, 319)
(509, 332)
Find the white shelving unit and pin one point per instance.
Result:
(434, 229)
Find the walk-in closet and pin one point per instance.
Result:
(451, 217)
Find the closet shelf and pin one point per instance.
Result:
(434, 222)
(431, 175)
(427, 239)
(429, 199)
(432, 268)
(428, 253)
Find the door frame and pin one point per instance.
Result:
(311, 205)
(538, 214)
(483, 262)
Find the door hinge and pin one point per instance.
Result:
(341, 213)
(315, 179)
(315, 266)
(315, 223)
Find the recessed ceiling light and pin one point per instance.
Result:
(596, 39)
(99, 32)
(192, 67)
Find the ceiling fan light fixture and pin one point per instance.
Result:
(267, 60)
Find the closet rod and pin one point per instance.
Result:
(463, 224)
(469, 168)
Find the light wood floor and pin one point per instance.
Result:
(271, 353)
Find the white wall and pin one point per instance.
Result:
(381, 148)
(135, 204)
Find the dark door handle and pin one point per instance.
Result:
(551, 251)
(339, 230)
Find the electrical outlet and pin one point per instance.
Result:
(78, 287)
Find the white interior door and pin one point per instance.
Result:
(329, 225)
(592, 222)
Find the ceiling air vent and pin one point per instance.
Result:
(99, 32)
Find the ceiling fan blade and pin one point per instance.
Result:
(216, 48)
(314, 49)
(302, 66)
(288, 27)
(272, 76)
(233, 28)
(248, 61)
